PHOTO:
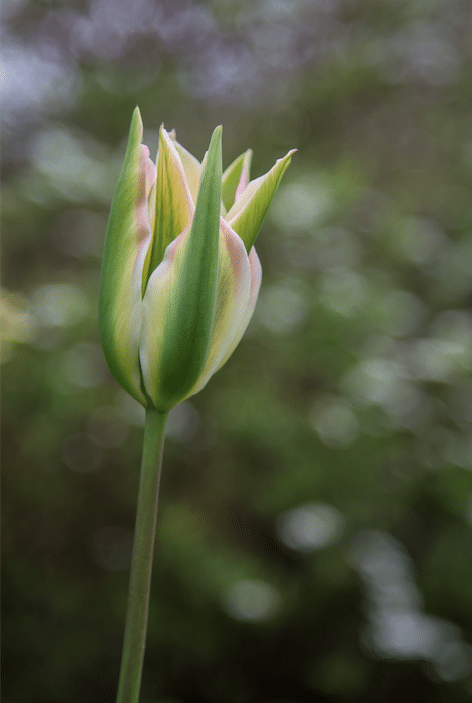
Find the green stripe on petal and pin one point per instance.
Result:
(190, 299)
(173, 203)
(248, 212)
(127, 238)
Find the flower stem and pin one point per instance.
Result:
(141, 565)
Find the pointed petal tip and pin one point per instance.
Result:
(165, 136)
(285, 161)
(136, 121)
(217, 133)
(214, 148)
(247, 161)
(288, 155)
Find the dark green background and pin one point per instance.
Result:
(349, 400)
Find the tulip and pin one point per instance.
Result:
(180, 275)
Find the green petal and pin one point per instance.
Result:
(188, 312)
(248, 212)
(128, 235)
(173, 203)
(236, 175)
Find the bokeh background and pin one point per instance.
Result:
(314, 534)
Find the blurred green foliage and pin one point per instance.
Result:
(314, 536)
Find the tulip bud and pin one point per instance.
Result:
(180, 275)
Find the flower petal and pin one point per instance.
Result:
(173, 203)
(181, 296)
(127, 239)
(255, 273)
(239, 280)
(249, 210)
(236, 179)
(156, 303)
(192, 170)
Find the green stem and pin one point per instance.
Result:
(141, 564)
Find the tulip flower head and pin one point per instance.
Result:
(180, 275)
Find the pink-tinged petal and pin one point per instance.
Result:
(147, 178)
(234, 301)
(256, 280)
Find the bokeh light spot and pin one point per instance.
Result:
(334, 421)
(298, 205)
(309, 527)
(59, 304)
(281, 308)
(252, 599)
